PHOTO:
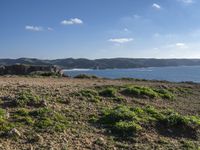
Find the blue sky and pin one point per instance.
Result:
(92, 29)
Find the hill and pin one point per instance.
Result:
(66, 113)
(70, 63)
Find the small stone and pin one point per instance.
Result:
(100, 141)
(169, 130)
(43, 103)
(14, 132)
(7, 115)
(39, 138)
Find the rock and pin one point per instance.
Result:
(7, 115)
(43, 103)
(14, 132)
(38, 138)
(19, 69)
(100, 141)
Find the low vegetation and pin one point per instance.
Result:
(40, 120)
(142, 92)
(86, 76)
(128, 121)
(27, 97)
(63, 113)
(45, 74)
(108, 92)
(89, 94)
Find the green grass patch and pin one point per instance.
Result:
(143, 92)
(108, 92)
(27, 97)
(5, 125)
(126, 121)
(40, 120)
(89, 94)
(48, 120)
(140, 91)
(86, 76)
(45, 74)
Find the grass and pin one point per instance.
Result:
(89, 94)
(45, 74)
(126, 121)
(40, 120)
(143, 92)
(163, 93)
(72, 114)
(108, 92)
(48, 120)
(27, 97)
(140, 92)
(86, 76)
(5, 125)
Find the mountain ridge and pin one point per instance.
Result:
(103, 63)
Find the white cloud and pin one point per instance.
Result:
(72, 21)
(121, 40)
(181, 45)
(33, 28)
(156, 6)
(186, 1)
(136, 16)
(126, 30)
(50, 29)
(156, 35)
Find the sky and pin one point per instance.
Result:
(51, 29)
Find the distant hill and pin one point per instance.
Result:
(70, 63)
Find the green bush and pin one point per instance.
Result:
(48, 120)
(165, 94)
(126, 128)
(147, 92)
(140, 92)
(45, 73)
(86, 76)
(127, 121)
(2, 113)
(27, 98)
(108, 92)
(90, 95)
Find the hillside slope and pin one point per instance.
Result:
(70, 63)
(62, 113)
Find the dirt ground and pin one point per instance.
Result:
(80, 133)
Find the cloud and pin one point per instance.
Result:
(120, 40)
(181, 45)
(34, 28)
(136, 16)
(187, 1)
(72, 21)
(156, 6)
(50, 29)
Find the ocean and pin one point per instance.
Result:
(174, 74)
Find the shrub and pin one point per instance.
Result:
(108, 92)
(140, 92)
(86, 76)
(147, 92)
(22, 112)
(90, 95)
(2, 113)
(48, 120)
(45, 73)
(27, 98)
(127, 121)
(165, 94)
(127, 128)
